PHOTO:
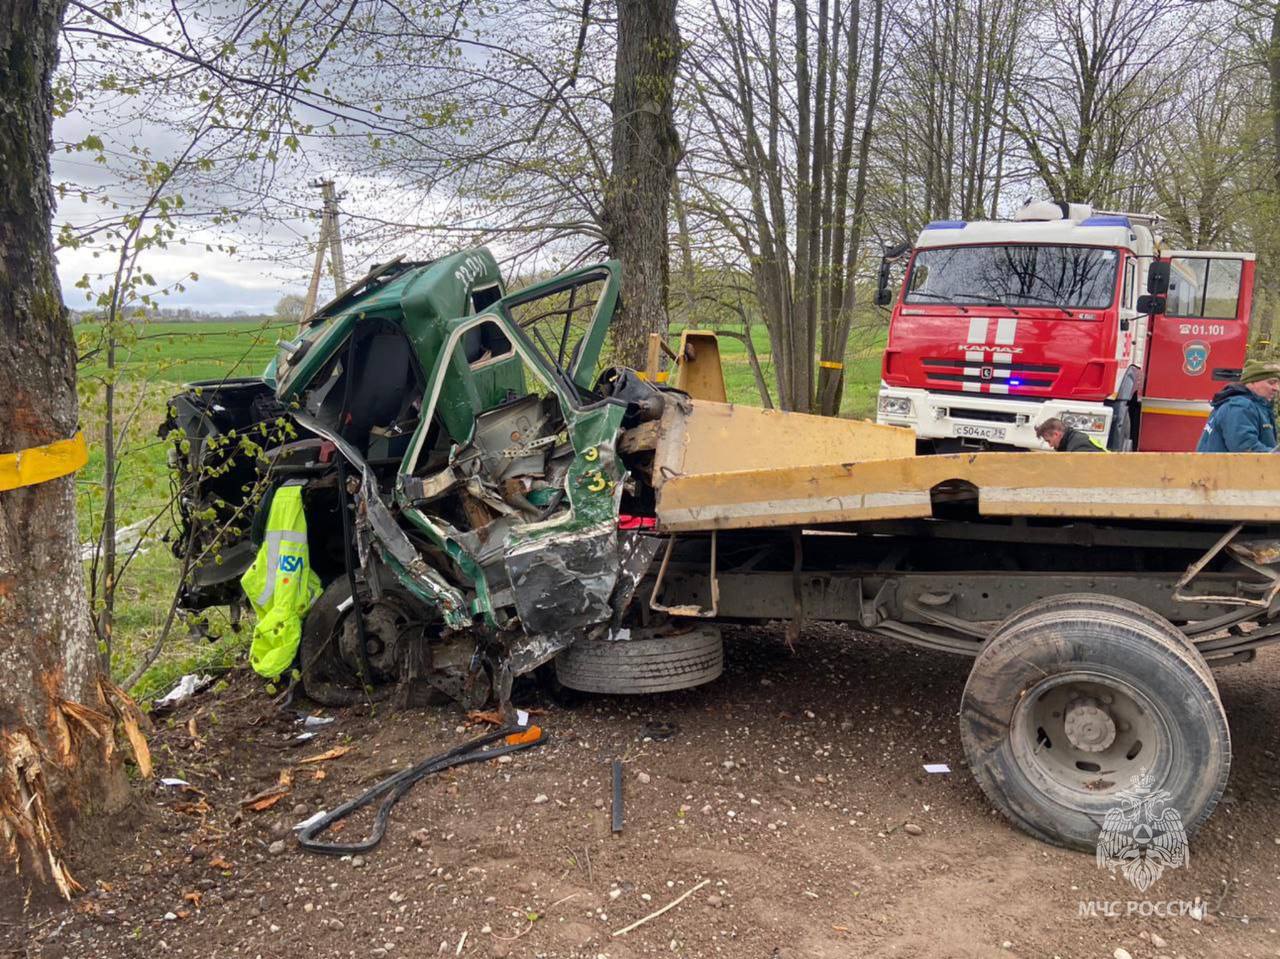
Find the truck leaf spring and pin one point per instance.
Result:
(927, 638)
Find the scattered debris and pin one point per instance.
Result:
(654, 915)
(185, 688)
(911, 829)
(937, 768)
(334, 753)
(315, 722)
(266, 798)
(659, 731)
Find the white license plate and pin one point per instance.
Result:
(980, 432)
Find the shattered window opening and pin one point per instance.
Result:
(486, 344)
(532, 371)
(558, 322)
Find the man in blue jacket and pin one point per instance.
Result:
(1243, 418)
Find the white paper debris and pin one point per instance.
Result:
(522, 718)
(174, 782)
(186, 687)
(314, 722)
(303, 737)
(937, 768)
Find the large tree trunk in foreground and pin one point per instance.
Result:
(645, 151)
(54, 725)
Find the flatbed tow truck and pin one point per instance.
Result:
(500, 504)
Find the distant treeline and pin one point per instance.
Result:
(180, 315)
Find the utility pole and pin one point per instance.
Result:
(331, 239)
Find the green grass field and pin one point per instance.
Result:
(154, 367)
(150, 369)
(183, 352)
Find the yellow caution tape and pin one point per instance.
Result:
(830, 365)
(41, 463)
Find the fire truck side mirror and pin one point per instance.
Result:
(1157, 280)
(884, 295)
(1151, 305)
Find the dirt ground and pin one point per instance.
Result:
(788, 786)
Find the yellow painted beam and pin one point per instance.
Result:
(1230, 487)
(722, 438)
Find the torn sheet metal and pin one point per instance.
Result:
(565, 583)
(530, 652)
(635, 558)
(373, 518)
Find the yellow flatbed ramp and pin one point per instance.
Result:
(722, 466)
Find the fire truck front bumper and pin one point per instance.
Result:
(981, 419)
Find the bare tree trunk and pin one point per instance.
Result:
(645, 151)
(831, 379)
(688, 277)
(50, 767)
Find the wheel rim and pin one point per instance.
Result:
(1085, 735)
(382, 628)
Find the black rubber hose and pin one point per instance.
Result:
(393, 788)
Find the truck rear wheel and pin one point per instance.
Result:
(1102, 603)
(653, 664)
(1068, 709)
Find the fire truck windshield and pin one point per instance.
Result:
(1082, 277)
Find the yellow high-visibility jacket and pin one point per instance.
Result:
(281, 585)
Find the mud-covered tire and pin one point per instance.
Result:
(1102, 603)
(654, 664)
(326, 677)
(1157, 695)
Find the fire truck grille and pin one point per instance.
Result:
(990, 416)
(955, 374)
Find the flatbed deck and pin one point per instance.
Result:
(889, 482)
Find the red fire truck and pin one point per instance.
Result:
(1001, 325)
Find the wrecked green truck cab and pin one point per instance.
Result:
(456, 450)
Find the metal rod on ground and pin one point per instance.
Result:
(617, 796)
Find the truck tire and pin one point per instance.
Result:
(1065, 711)
(653, 664)
(1102, 603)
(329, 677)
(1124, 422)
